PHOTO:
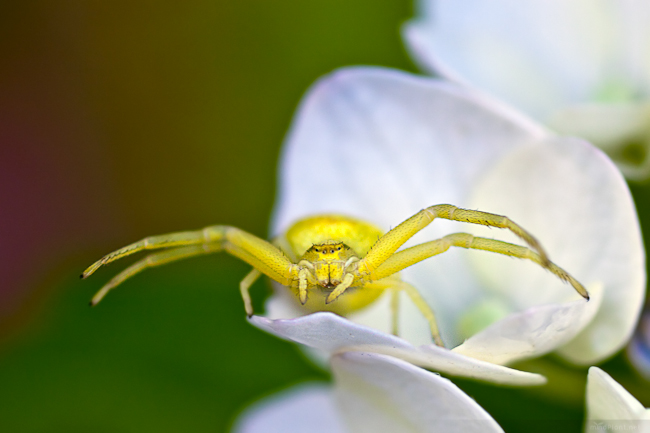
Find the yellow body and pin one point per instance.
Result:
(332, 262)
(328, 242)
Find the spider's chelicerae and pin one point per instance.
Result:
(344, 263)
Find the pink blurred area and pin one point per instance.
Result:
(55, 187)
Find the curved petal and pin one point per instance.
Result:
(609, 403)
(333, 334)
(380, 145)
(304, 408)
(357, 121)
(577, 204)
(372, 393)
(536, 55)
(378, 393)
(533, 332)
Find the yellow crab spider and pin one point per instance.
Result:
(328, 256)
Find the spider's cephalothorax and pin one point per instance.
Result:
(327, 256)
(327, 262)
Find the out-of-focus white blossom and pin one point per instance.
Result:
(611, 408)
(582, 67)
(371, 393)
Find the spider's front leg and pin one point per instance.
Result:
(305, 277)
(416, 254)
(386, 246)
(351, 276)
(262, 255)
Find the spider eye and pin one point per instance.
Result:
(331, 251)
(338, 248)
(317, 250)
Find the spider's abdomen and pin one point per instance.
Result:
(359, 235)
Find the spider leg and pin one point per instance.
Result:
(396, 285)
(304, 275)
(257, 252)
(347, 281)
(244, 287)
(425, 310)
(410, 256)
(393, 285)
(394, 309)
(391, 241)
(209, 234)
(152, 260)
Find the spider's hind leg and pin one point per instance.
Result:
(394, 312)
(396, 286)
(425, 310)
(244, 287)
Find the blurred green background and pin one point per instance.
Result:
(125, 119)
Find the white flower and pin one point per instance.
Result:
(380, 145)
(580, 66)
(611, 408)
(372, 393)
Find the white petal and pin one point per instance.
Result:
(609, 404)
(345, 151)
(305, 408)
(381, 145)
(538, 54)
(633, 17)
(533, 332)
(413, 326)
(604, 124)
(572, 198)
(381, 394)
(333, 334)
(611, 127)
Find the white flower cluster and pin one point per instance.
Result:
(579, 66)
(391, 143)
